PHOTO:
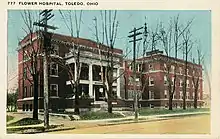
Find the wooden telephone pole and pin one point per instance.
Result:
(134, 35)
(47, 48)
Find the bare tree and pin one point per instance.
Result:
(196, 76)
(166, 39)
(70, 18)
(109, 34)
(31, 54)
(187, 45)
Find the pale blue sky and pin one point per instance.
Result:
(201, 28)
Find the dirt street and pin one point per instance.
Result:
(184, 125)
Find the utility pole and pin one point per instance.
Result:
(47, 48)
(134, 35)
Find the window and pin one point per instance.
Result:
(181, 95)
(165, 80)
(165, 66)
(150, 67)
(114, 92)
(174, 95)
(25, 56)
(84, 74)
(151, 95)
(181, 83)
(172, 69)
(180, 70)
(187, 95)
(25, 91)
(151, 81)
(165, 94)
(130, 94)
(187, 82)
(140, 67)
(193, 72)
(187, 71)
(55, 50)
(54, 90)
(31, 91)
(54, 69)
(25, 73)
(193, 85)
(172, 80)
(114, 73)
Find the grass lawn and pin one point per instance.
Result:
(157, 111)
(26, 121)
(99, 115)
(9, 118)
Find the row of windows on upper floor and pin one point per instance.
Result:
(84, 74)
(181, 71)
(53, 90)
(179, 82)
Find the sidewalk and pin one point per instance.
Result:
(145, 117)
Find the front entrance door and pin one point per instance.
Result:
(99, 93)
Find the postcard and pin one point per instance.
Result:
(110, 69)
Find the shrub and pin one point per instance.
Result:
(99, 115)
(9, 118)
(26, 121)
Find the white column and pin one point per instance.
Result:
(90, 81)
(118, 83)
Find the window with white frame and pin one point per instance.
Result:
(181, 95)
(165, 66)
(151, 95)
(25, 91)
(130, 94)
(193, 86)
(187, 82)
(165, 94)
(55, 50)
(150, 66)
(174, 95)
(114, 72)
(25, 55)
(139, 67)
(187, 95)
(54, 69)
(187, 71)
(172, 80)
(151, 81)
(31, 90)
(25, 73)
(165, 80)
(180, 70)
(53, 90)
(181, 83)
(172, 68)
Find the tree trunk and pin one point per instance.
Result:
(35, 110)
(76, 111)
(195, 98)
(170, 101)
(110, 99)
(109, 105)
(184, 96)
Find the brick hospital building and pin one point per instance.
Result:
(60, 93)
